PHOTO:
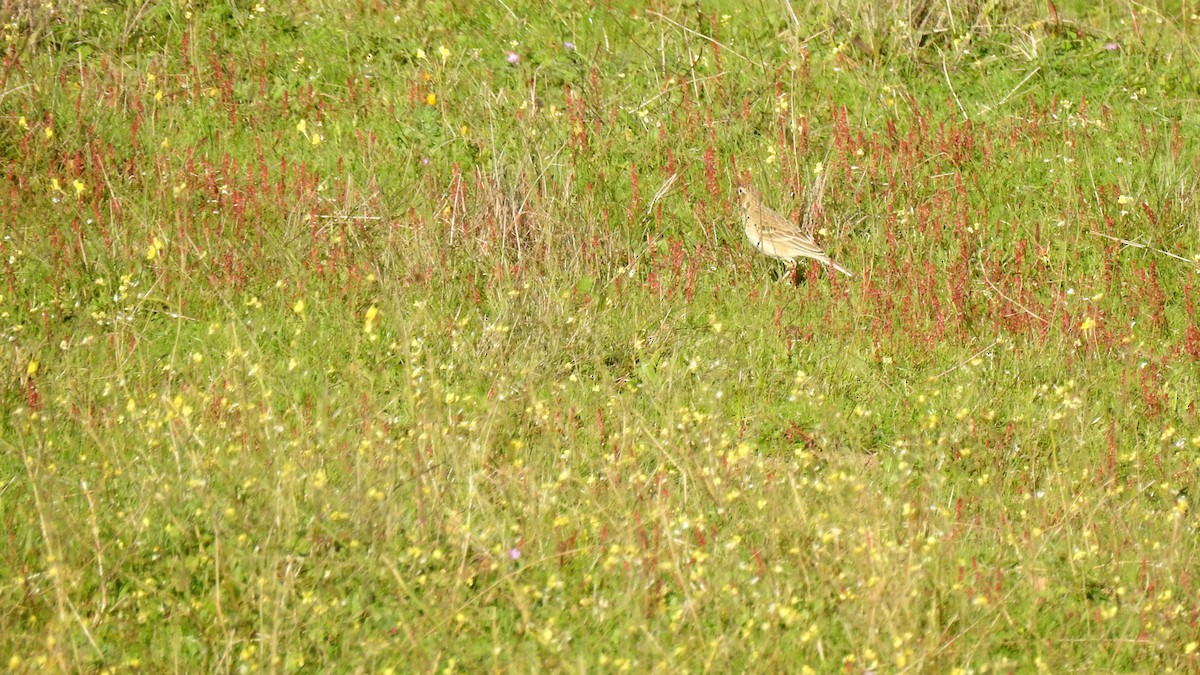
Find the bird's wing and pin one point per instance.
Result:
(789, 241)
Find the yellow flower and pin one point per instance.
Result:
(299, 306)
(302, 127)
(444, 52)
(421, 54)
(32, 368)
(1088, 324)
(49, 133)
(431, 99)
(1124, 199)
(80, 187)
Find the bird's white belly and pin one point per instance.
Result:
(765, 247)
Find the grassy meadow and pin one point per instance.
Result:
(424, 337)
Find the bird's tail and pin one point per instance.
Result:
(843, 270)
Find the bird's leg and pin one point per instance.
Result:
(786, 275)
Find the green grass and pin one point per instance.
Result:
(336, 341)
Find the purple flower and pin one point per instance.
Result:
(512, 57)
(514, 553)
(1111, 47)
(569, 45)
(424, 160)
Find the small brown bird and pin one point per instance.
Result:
(776, 236)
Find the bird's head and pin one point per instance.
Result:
(746, 196)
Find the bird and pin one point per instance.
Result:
(777, 237)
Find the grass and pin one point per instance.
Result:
(358, 338)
